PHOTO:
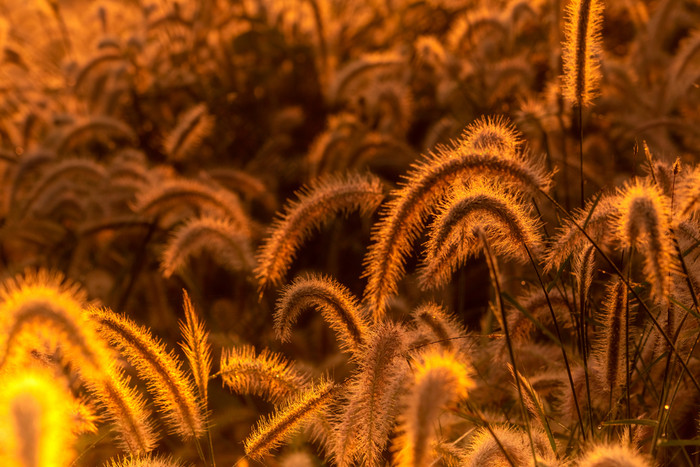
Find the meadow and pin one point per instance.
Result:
(350, 232)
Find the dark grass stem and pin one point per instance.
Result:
(493, 270)
(631, 289)
(563, 350)
(580, 152)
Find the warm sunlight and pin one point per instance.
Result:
(297, 233)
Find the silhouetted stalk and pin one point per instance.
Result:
(563, 351)
(493, 270)
(627, 283)
(627, 347)
(584, 354)
(580, 151)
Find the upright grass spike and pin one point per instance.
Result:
(316, 205)
(196, 347)
(427, 183)
(440, 380)
(273, 431)
(373, 394)
(335, 302)
(581, 65)
(172, 390)
(268, 374)
(581, 50)
(610, 354)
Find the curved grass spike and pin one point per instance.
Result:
(335, 302)
(273, 431)
(192, 127)
(37, 419)
(268, 375)
(222, 237)
(570, 239)
(172, 390)
(82, 170)
(502, 446)
(534, 405)
(642, 221)
(405, 214)
(503, 217)
(316, 205)
(97, 125)
(365, 425)
(436, 326)
(522, 325)
(171, 193)
(51, 309)
(125, 408)
(440, 380)
(582, 45)
(366, 64)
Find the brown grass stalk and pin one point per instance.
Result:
(316, 205)
(336, 303)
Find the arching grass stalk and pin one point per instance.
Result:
(563, 351)
(664, 415)
(493, 271)
(634, 293)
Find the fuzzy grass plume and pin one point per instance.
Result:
(335, 302)
(581, 50)
(316, 205)
(273, 431)
(427, 183)
(171, 388)
(267, 374)
(440, 380)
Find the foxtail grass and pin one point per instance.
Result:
(440, 380)
(267, 374)
(335, 302)
(273, 431)
(316, 205)
(427, 183)
(171, 388)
